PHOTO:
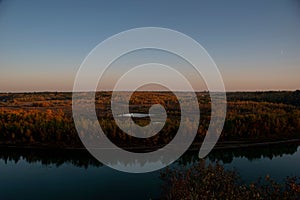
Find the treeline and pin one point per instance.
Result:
(36, 96)
(284, 97)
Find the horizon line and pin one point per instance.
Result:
(200, 91)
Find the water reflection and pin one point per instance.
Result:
(78, 158)
(227, 156)
(75, 174)
(254, 153)
(81, 158)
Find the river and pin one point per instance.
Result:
(74, 174)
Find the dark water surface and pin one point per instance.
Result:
(74, 174)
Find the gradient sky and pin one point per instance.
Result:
(255, 43)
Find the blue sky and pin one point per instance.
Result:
(255, 44)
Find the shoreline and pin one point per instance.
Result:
(195, 146)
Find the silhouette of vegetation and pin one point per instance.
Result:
(214, 182)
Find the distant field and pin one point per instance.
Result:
(45, 119)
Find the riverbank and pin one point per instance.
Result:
(222, 145)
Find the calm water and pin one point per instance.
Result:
(40, 174)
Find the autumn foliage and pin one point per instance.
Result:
(46, 118)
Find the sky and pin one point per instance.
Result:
(254, 43)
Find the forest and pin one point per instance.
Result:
(45, 119)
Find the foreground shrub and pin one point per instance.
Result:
(214, 182)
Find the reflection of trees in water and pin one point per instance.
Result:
(251, 153)
(79, 158)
